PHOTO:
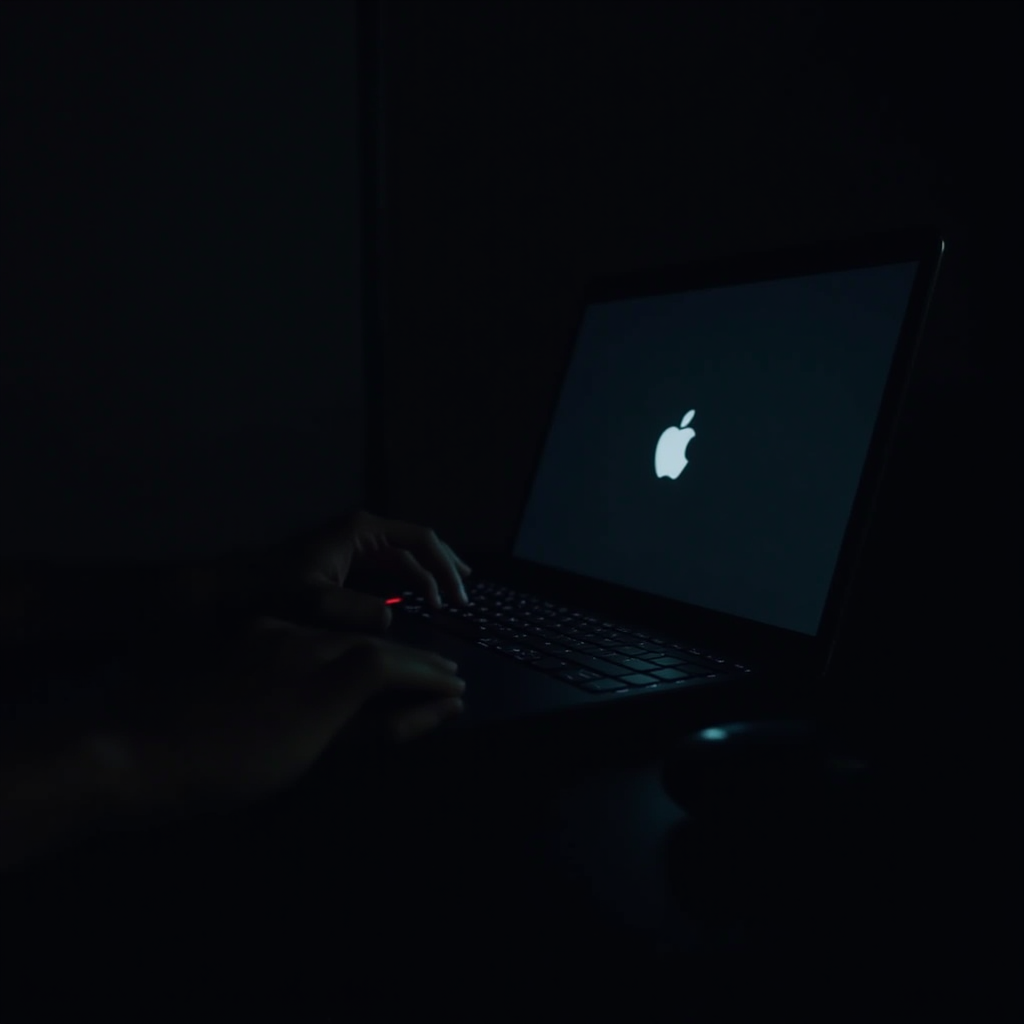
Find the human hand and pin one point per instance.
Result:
(308, 577)
(252, 721)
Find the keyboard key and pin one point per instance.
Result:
(603, 686)
(670, 674)
(578, 675)
(601, 667)
(571, 642)
(652, 647)
(639, 679)
(552, 646)
(699, 657)
(633, 664)
(631, 651)
(547, 664)
(696, 671)
(667, 661)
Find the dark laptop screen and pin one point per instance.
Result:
(708, 445)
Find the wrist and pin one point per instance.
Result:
(131, 784)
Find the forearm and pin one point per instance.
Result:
(59, 787)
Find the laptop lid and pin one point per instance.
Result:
(719, 436)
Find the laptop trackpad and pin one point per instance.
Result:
(496, 688)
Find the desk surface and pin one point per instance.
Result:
(458, 889)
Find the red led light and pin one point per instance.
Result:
(393, 600)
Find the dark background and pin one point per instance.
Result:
(184, 213)
(179, 274)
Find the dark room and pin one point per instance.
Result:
(510, 512)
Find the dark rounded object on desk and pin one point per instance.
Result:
(746, 772)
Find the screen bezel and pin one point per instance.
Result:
(760, 643)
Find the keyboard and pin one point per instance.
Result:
(583, 650)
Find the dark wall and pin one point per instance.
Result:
(531, 144)
(180, 362)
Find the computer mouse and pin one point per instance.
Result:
(757, 770)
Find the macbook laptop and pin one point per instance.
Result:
(704, 484)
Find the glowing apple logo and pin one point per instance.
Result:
(670, 455)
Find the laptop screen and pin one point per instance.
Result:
(708, 445)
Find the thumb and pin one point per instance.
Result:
(330, 606)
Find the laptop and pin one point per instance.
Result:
(704, 485)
